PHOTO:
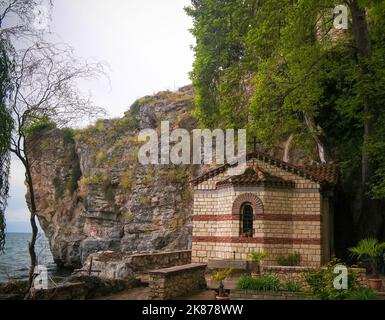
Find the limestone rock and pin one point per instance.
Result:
(93, 194)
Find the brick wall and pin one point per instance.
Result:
(285, 220)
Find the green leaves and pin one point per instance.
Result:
(368, 248)
(258, 256)
(6, 125)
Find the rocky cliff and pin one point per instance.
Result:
(92, 193)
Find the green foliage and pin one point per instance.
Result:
(126, 180)
(292, 286)
(221, 275)
(76, 174)
(68, 135)
(278, 68)
(6, 125)
(268, 282)
(363, 294)
(258, 256)
(369, 250)
(145, 200)
(322, 287)
(261, 283)
(38, 126)
(292, 259)
(100, 157)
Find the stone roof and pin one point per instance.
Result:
(251, 178)
(326, 173)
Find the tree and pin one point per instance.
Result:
(5, 136)
(46, 95)
(281, 69)
(43, 93)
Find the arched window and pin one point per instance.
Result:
(246, 220)
(246, 207)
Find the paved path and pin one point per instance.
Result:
(142, 293)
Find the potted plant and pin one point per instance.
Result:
(257, 257)
(370, 250)
(220, 276)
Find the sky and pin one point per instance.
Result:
(145, 45)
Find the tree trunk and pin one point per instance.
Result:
(364, 50)
(31, 245)
(318, 136)
(286, 152)
(32, 219)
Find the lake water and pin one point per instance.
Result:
(14, 262)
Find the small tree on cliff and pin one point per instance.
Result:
(44, 94)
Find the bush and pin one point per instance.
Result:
(262, 283)
(363, 294)
(39, 126)
(100, 157)
(126, 180)
(322, 287)
(258, 256)
(292, 286)
(68, 135)
(369, 250)
(293, 259)
(76, 174)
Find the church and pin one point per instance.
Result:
(274, 206)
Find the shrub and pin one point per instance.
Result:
(292, 286)
(100, 157)
(39, 126)
(219, 276)
(292, 259)
(369, 250)
(76, 174)
(68, 135)
(363, 294)
(263, 283)
(145, 200)
(321, 283)
(126, 180)
(258, 256)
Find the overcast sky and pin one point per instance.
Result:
(146, 45)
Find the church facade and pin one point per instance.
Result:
(274, 207)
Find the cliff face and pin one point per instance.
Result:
(92, 193)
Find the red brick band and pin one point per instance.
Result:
(268, 217)
(266, 240)
(250, 198)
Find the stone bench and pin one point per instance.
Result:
(169, 283)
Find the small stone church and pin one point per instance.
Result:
(274, 207)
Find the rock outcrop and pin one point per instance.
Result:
(93, 194)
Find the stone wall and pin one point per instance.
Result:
(176, 281)
(288, 273)
(290, 220)
(121, 265)
(267, 295)
(148, 261)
